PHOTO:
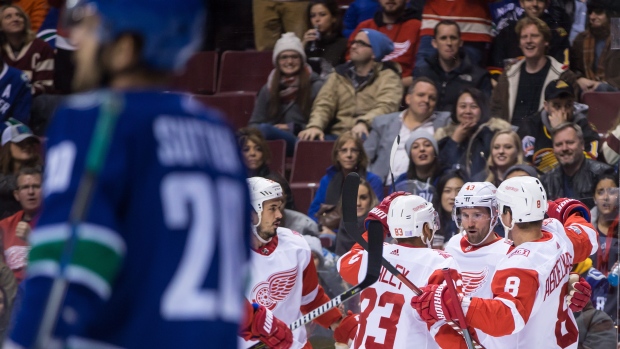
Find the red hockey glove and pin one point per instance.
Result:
(271, 330)
(579, 292)
(562, 208)
(435, 303)
(380, 212)
(347, 329)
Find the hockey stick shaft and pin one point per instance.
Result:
(460, 316)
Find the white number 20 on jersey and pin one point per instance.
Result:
(190, 202)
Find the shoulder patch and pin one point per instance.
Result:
(520, 252)
(575, 229)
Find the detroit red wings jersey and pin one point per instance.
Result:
(283, 278)
(386, 319)
(529, 309)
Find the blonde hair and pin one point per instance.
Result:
(28, 35)
(490, 168)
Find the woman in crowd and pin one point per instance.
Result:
(424, 169)
(347, 156)
(466, 142)
(366, 200)
(506, 151)
(324, 39)
(22, 50)
(283, 105)
(20, 148)
(448, 186)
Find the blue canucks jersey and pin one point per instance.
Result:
(15, 95)
(158, 260)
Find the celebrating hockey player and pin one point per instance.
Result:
(282, 275)
(386, 320)
(528, 308)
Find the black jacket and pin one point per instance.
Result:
(331, 48)
(583, 182)
(450, 84)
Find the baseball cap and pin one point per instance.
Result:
(558, 89)
(16, 132)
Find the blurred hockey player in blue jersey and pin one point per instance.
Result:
(157, 259)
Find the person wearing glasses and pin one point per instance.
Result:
(357, 91)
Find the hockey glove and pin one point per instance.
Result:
(380, 212)
(562, 208)
(345, 332)
(270, 330)
(579, 292)
(435, 303)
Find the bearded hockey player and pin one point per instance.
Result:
(282, 275)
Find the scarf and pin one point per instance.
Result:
(589, 47)
(288, 85)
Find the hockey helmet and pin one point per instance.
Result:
(407, 216)
(476, 194)
(526, 198)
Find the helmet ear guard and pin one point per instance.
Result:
(407, 216)
(526, 198)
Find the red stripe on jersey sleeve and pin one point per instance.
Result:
(582, 240)
(310, 284)
(516, 286)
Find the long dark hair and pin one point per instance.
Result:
(304, 94)
(441, 184)
(8, 165)
(481, 101)
(332, 7)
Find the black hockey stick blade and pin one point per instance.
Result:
(349, 204)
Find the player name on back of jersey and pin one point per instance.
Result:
(187, 141)
(562, 267)
(389, 278)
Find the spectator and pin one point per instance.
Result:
(324, 38)
(283, 104)
(451, 68)
(15, 95)
(448, 186)
(522, 170)
(16, 228)
(424, 168)
(503, 12)
(611, 144)
(559, 107)
(472, 16)
(577, 176)
(402, 25)
(591, 54)
(467, 140)
(604, 213)
(506, 152)
(347, 156)
(257, 156)
(519, 90)
(366, 200)
(359, 11)
(580, 17)
(22, 50)
(8, 291)
(419, 115)
(358, 91)
(291, 219)
(596, 329)
(273, 18)
(19, 149)
(506, 43)
(36, 10)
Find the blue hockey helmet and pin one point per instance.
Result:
(171, 31)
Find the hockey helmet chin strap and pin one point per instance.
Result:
(255, 230)
(507, 228)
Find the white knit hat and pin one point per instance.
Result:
(288, 41)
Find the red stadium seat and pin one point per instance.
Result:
(303, 195)
(278, 155)
(199, 75)
(604, 107)
(310, 161)
(244, 71)
(236, 107)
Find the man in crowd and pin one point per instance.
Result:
(272, 18)
(358, 91)
(577, 176)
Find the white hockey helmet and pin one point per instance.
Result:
(407, 216)
(261, 190)
(526, 198)
(476, 194)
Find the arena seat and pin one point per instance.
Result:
(604, 107)
(244, 71)
(236, 107)
(278, 156)
(199, 75)
(310, 160)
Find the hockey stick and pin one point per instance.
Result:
(392, 156)
(375, 253)
(460, 317)
(349, 217)
(95, 157)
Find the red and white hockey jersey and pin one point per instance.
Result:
(283, 278)
(386, 319)
(529, 309)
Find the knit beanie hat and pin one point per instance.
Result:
(288, 41)
(522, 167)
(381, 44)
(417, 134)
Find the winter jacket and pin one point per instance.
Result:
(504, 95)
(471, 155)
(321, 193)
(506, 43)
(358, 11)
(584, 181)
(331, 48)
(596, 329)
(405, 34)
(450, 84)
(536, 138)
(385, 129)
(611, 146)
(611, 64)
(339, 105)
(289, 113)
